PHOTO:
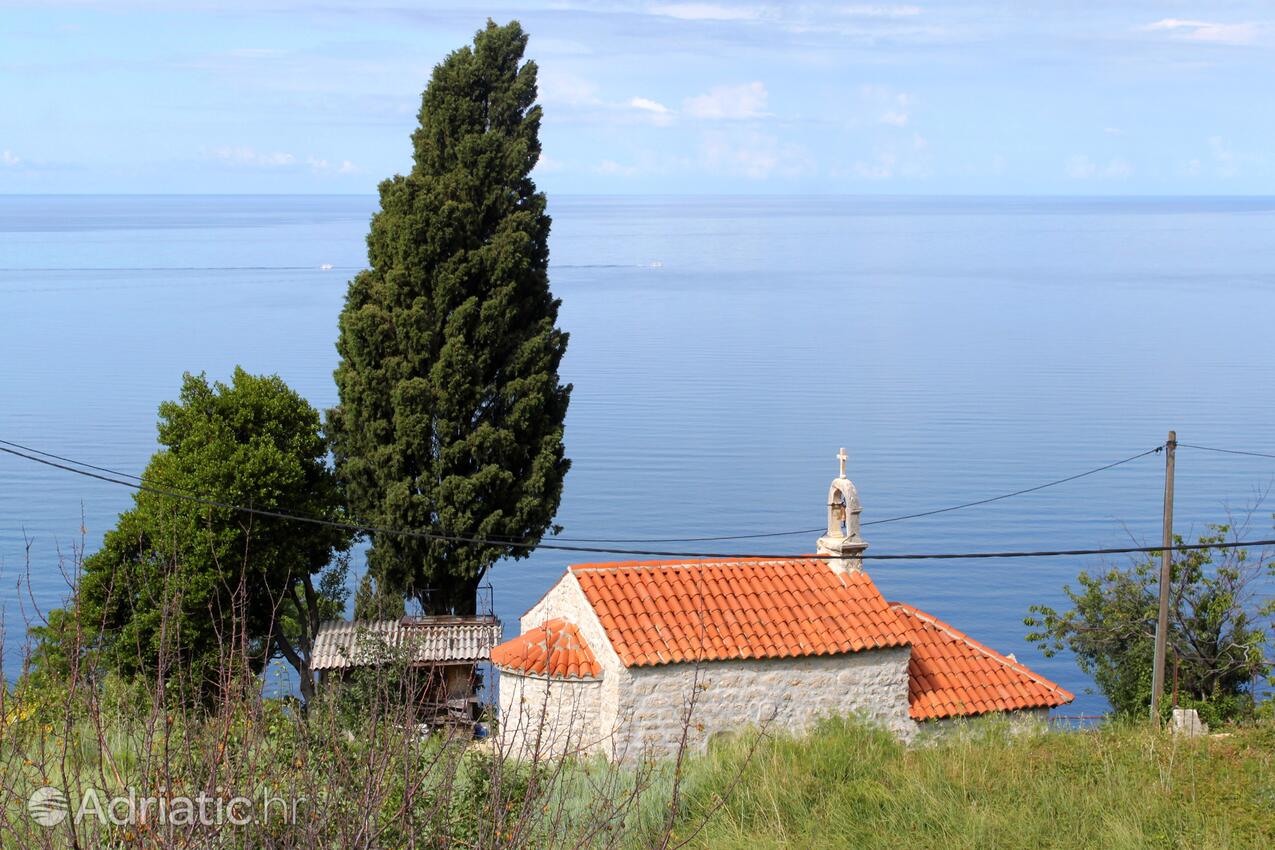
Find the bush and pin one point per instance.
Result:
(1215, 646)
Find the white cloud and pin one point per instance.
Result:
(322, 166)
(895, 106)
(244, 156)
(751, 160)
(796, 17)
(745, 101)
(659, 114)
(648, 105)
(862, 22)
(898, 150)
(879, 11)
(754, 155)
(1081, 167)
(1208, 31)
(9, 159)
(904, 159)
(706, 12)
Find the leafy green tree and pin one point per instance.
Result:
(451, 411)
(1215, 640)
(205, 590)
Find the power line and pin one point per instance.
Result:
(87, 465)
(452, 538)
(693, 539)
(1226, 451)
(875, 521)
(58, 269)
(1021, 492)
(120, 474)
(1050, 553)
(715, 538)
(73, 460)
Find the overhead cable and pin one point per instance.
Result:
(713, 538)
(478, 541)
(1225, 451)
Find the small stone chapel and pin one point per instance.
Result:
(611, 656)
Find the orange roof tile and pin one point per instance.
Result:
(953, 675)
(554, 649)
(660, 612)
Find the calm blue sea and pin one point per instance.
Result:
(722, 349)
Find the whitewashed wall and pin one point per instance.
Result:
(566, 599)
(546, 718)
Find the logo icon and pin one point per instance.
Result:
(48, 806)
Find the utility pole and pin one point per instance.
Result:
(1166, 562)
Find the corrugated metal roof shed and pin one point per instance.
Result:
(429, 640)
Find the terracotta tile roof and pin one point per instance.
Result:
(660, 612)
(554, 649)
(953, 675)
(340, 644)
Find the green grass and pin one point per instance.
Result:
(1120, 786)
(987, 785)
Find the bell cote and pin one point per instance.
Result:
(842, 540)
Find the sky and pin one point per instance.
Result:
(1041, 97)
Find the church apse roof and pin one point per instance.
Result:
(555, 649)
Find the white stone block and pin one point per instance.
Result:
(1186, 721)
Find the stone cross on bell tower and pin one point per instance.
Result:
(842, 539)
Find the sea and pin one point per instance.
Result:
(722, 350)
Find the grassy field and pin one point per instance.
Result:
(1119, 786)
(373, 784)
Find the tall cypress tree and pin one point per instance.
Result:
(451, 411)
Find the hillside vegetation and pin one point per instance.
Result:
(1113, 787)
(365, 777)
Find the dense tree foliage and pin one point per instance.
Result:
(372, 601)
(1216, 645)
(205, 591)
(451, 411)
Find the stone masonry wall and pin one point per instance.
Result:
(1023, 719)
(785, 695)
(545, 718)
